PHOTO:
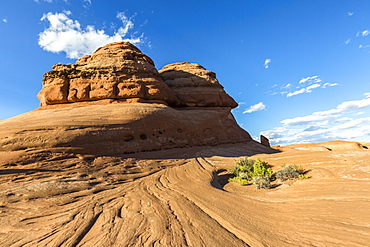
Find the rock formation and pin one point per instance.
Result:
(116, 71)
(83, 107)
(265, 141)
(195, 86)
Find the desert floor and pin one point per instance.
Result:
(61, 199)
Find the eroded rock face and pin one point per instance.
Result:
(182, 106)
(193, 85)
(116, 71)
(113, 129)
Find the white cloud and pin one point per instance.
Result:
(305, 85)
(5, 20)
(67, 35)
(347, 41)
(304, 90)
(365, 33)
(329, 85)
(342, 108)
(363, 46)
(267, 61)
(342, 129)
(350, 13)
(257, 107)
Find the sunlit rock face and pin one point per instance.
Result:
(193, 85)
(115, 102)
(117, 71)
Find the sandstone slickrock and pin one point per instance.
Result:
(84, 107)
(66, 181)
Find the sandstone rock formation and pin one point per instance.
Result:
(72, 173)
(195, 86)
(116, 71)
(82, 111)
(264, 141)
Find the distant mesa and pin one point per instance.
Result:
(115, 101)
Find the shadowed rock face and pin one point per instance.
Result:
(116, 71)
(193, 85)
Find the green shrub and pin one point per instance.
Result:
(239, 180)
(302, 176)
(261, 169)
(258, 172)
(243, 168)
(247, 169)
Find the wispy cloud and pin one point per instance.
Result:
(341, 122)
(305, 85)
(87, 3)
(350, 13)
(307, 89)
(5, 20)
(342, 108)
(257, 107)
(363, 33)
(266, 64)
(67, 35)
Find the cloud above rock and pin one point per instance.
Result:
(67, 35)
(305, 85)
(342, 122)
(257, 107)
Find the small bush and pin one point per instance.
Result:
(261, 169)
(290, 172)
(302, 176)
(239, 180)
(261, 182)
(243, 168)
(247, 169)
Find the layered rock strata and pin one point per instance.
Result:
(80, 111)
(116, 71)
(193, 85)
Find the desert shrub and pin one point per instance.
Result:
(243, 168)
(261, 169)
(261, 182)
(302, 176)
(247, 169)
(290, 172)
(239, 180)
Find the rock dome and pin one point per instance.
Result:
(193, 85)
(84, 107)
(117, 71)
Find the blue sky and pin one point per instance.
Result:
(298, 69)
